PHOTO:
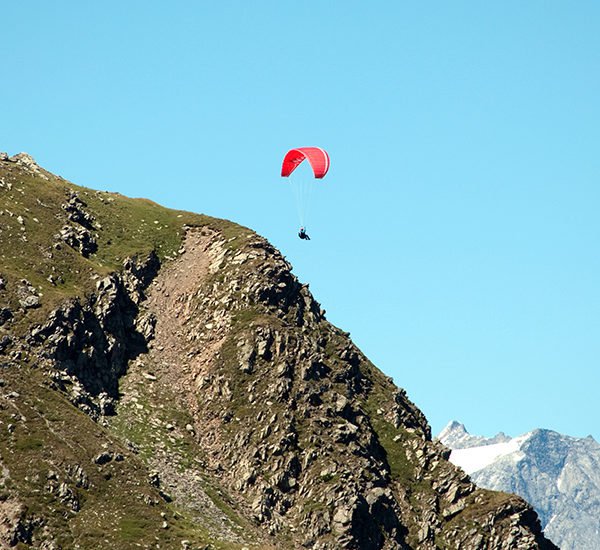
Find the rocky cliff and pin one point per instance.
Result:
(167, 382)
(559, 475)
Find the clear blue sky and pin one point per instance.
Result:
(457, 233)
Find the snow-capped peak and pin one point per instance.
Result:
(456, 436)
(558, 474)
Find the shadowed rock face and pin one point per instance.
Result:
(253, 415)
(88, 345)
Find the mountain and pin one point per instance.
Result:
(455, 436)
(559, 475)
(167, 382)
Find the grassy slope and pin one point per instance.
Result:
(49, 433)
(128, 227)
(125, 227)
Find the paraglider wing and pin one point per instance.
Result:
(317, 157)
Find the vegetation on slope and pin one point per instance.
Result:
(32, 215)
(55, 490)
(245, 407)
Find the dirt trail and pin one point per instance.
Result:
(167, 372)
(171, 298)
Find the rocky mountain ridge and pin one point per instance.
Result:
(456, 436)
(175, 386)
(559, 475)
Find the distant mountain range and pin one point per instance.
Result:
(557, 474)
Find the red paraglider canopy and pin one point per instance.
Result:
(317, 157)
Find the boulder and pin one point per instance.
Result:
(30, 302)
(25, 160)
(103, 458)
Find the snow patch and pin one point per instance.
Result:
(474, 459)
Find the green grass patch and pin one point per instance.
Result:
(29, 444)
(133, 528)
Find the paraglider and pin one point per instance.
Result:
(303, 235)
(317, 157)
(302, 185)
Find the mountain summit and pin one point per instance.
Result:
(167, 382)
(559, 475)
(456, 436)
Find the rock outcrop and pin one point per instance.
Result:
(86, 346)
(293, 417)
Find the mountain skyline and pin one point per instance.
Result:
(168, 381)
(558, 474)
